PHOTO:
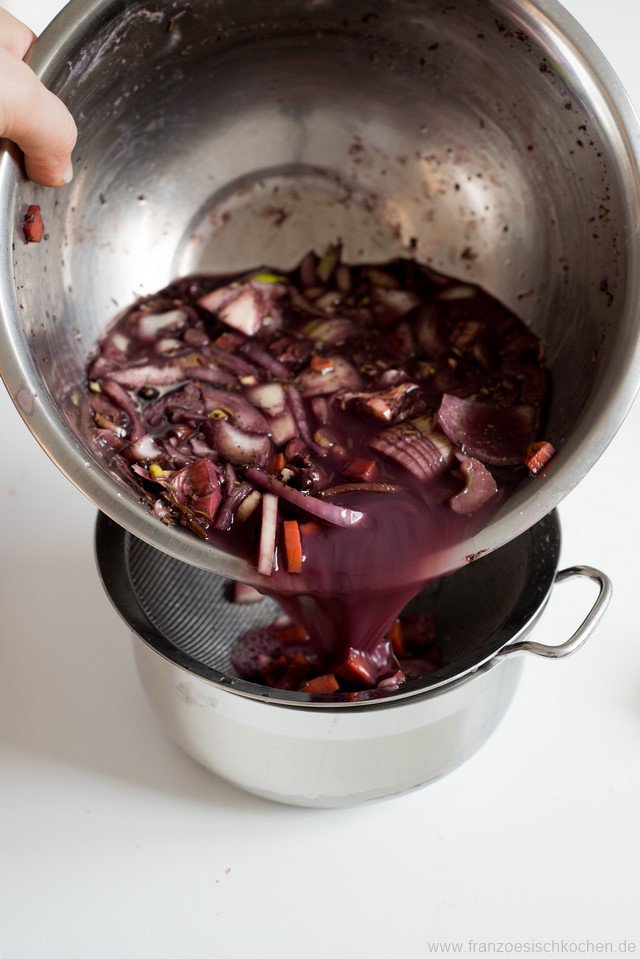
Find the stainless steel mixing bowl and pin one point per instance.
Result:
(490, 139)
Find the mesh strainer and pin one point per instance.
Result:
(185, 614)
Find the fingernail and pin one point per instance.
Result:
(67, 176)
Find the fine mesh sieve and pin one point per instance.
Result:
(184, 613)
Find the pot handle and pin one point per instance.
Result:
(586, 628)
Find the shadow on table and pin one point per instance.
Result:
(69, 689)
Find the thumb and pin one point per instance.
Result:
(37, 121)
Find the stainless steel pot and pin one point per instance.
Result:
(490, 139)
(329, 751)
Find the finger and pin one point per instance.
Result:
(16, 38)
(37, 121)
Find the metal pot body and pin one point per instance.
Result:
(322, 757)
(330, 756)
(492, 141)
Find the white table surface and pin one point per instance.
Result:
(115, 844)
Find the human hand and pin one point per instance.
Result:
(31, 115)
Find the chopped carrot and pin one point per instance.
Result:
(310, 528)
(291, 634)
(33, 224)
(229, 342)
(396, 639)
(293, 546)
(365, 470)
(299, 659)
(277, 463)
(321, 364)
(538, 455)
(356, 668)
(321, 684)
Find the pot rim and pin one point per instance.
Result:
(584, 61)
(111, 552)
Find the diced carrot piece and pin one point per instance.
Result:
(33, 224)
(396, 638)
(299, 659)
(320, 364)
(310, 528)
(229, 342)
(321, 684)
(365, 470)
(538, 455)
(291, 634)
(293, 546)
(356, 668)
(277, 463)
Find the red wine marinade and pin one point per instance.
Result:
(339, 427)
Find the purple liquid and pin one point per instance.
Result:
(370, 350)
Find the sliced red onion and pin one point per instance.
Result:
(245, 594)
(304, 305)
(245, 312)
(308, 275)
(268, 531)
(135, 377)
(240, 411)
(120, 342)
(169, 346)
(458, 292)
(496, 435)
(145, 449)
(196, 339)
(171, 402)
(208, 503)
(229, 506)
(108, 439)
(320, 408)
(210, 374)
(161, 510)
(300, 416)
(120, 396)
(268, 397)
(334, 515)
(267, 362)
(282, 428)
(416, 446)
(343, 376)
(242, 449)
(233, 362)
(385, 405)
(399, 342)
(361, 488)
(343, 278)
(214, 301)
(296, 447)
(331, 331)
(149, 326)
(390, 305)
(195, 482)
(101, 366)
(230, 478)
(199, 447)
(428, 332)
(480, 486)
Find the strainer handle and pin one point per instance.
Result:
(586, 628)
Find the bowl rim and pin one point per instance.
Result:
(78, 19)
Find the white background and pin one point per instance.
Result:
(113, 843)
